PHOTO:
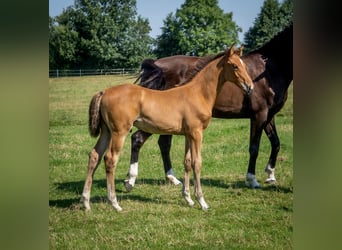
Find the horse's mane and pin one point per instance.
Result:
(278, 51)
(280, 44)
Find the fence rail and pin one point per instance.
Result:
(89, 72)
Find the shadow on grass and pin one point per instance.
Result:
(76, 187)
(264, 187)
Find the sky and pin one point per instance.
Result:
(244, 11)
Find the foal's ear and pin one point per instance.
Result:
(231, 50)
(239, 51)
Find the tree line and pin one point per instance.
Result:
(110, 34)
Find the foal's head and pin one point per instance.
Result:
(235, 69)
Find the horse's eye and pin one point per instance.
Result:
(235, 67)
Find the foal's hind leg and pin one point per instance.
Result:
(111, 160)
(94, 160)
(272, 135)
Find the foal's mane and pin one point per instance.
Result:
(201, 63)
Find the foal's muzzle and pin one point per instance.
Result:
(247, 88)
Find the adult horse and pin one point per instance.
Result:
(114, 111)
(270, 67)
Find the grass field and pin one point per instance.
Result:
(155, 216)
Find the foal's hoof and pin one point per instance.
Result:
(128, 186)
(203, 204)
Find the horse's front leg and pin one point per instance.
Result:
(254, 143)
(187, 171)
(270, 130)
(196, 162)
(94, 160)
(164, 143)
(137, 141)
(111, 160)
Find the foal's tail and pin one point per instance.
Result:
(95, 115)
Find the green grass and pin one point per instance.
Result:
(154, 215)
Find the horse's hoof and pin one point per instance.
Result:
(128, 186)
(252, 185)
(270, 181)
(173, 180)
(251, 181)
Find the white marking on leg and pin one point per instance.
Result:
(85, 199)
(113, 201)
(116, 205)
(270, 172)
(171, 177)
(203, 204)
(133, 173)
(188, 199)
(251, 181)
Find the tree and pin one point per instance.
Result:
(62, 43)
(109, 34)
(199, 27)
(273, 18)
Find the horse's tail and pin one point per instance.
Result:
(95, 114)
(151, 75)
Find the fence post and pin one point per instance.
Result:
(57, 73)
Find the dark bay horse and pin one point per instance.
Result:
(270, 67)
(114, 111)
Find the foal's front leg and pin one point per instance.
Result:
(196, 162)
(187, 171)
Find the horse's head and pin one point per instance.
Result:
(235, 69)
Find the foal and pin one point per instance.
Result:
(114, 111)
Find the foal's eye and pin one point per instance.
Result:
(235, 67)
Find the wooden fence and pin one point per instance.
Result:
(89, 72)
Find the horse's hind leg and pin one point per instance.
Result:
(111, 160)
(137, 141)
(164, 143)
(272, 135)
(94, 160)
